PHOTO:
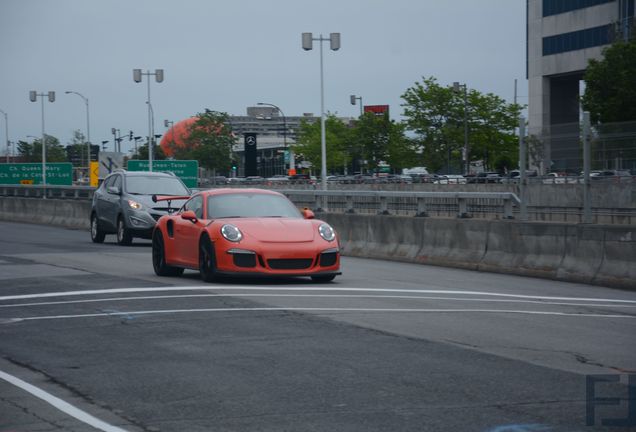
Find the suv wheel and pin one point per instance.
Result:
(124, 237)
(97, 235)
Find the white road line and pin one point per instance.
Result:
(61, 405)
(303, 309)
(304, 288)
(348, 296)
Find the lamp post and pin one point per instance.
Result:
(6, 131)
(334, 43)
(457, 87)
(33, 97)
(137, 76)
(88, 128)
(116, 139)
(353, 102)
(291, 159)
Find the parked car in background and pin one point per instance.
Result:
(123, 204)
(617, 175)
(451, 179)
(485, 177)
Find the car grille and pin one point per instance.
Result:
(244, 260)
(155, 216)
(328, 259)
(290, 263)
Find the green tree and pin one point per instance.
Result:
(436, 115)
(610, 84)
(340, 148)
(76, 149)
(32, 152)
(383, 140)
(142, 152)
(210, 141)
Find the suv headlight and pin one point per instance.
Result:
(327, 232)
(231, 233)
(134, 205)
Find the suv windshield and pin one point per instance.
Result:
(151, 185)
(251, 205)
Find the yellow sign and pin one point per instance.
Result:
(26, 181)
(94, 179)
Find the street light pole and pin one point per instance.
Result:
(6, 131)
(457, 86)
(291, 164)
(88, 128)
(33, 96)
(334, 40)
(137, 76)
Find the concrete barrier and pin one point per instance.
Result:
(66, 213)
(595, 254)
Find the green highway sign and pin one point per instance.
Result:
(57, 173)
(186, 170)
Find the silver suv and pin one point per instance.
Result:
(123, 205)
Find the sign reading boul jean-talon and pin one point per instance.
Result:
(186, 170)
(57, 173)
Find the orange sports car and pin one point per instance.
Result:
(248, 232)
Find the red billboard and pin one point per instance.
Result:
(376, 109)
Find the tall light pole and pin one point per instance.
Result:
(334, 41)
(457, 87)
(6, 131)
(137, 76)
(353, 102)
(88, 128)
(33, 97)
(291, 159)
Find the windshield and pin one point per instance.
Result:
(154, 185)
(251, 205)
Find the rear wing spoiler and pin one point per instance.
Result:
(157, 198)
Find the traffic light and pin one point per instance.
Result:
(130, 136)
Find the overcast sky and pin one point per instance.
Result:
(227, 55)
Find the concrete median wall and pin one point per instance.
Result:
(66, 213)
(594, 254)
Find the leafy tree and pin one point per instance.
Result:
(610, 89)
(436, 114)
(383, 140)
(142, 152)
(32, 152)
(340, 148)
(76, 149)
(210, 141)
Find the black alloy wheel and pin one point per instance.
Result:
(159, 258)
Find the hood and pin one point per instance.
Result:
(277, 230)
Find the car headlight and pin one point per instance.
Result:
(326, 232)
(231, 233)
(134, 205)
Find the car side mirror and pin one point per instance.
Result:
(114, 190)
(189, 215)
(307, 214)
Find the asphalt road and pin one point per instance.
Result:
(91, 339)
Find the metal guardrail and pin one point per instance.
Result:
(50, 191)
(461, 204)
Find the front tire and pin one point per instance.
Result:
(323, 278)
(124, 237)
(207, 260)
(97, 235)
(159, 258)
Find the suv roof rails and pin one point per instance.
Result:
(168, 172)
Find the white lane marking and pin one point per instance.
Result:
(349, 296)
(61, 405)
(302, 288)
(307, 309)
